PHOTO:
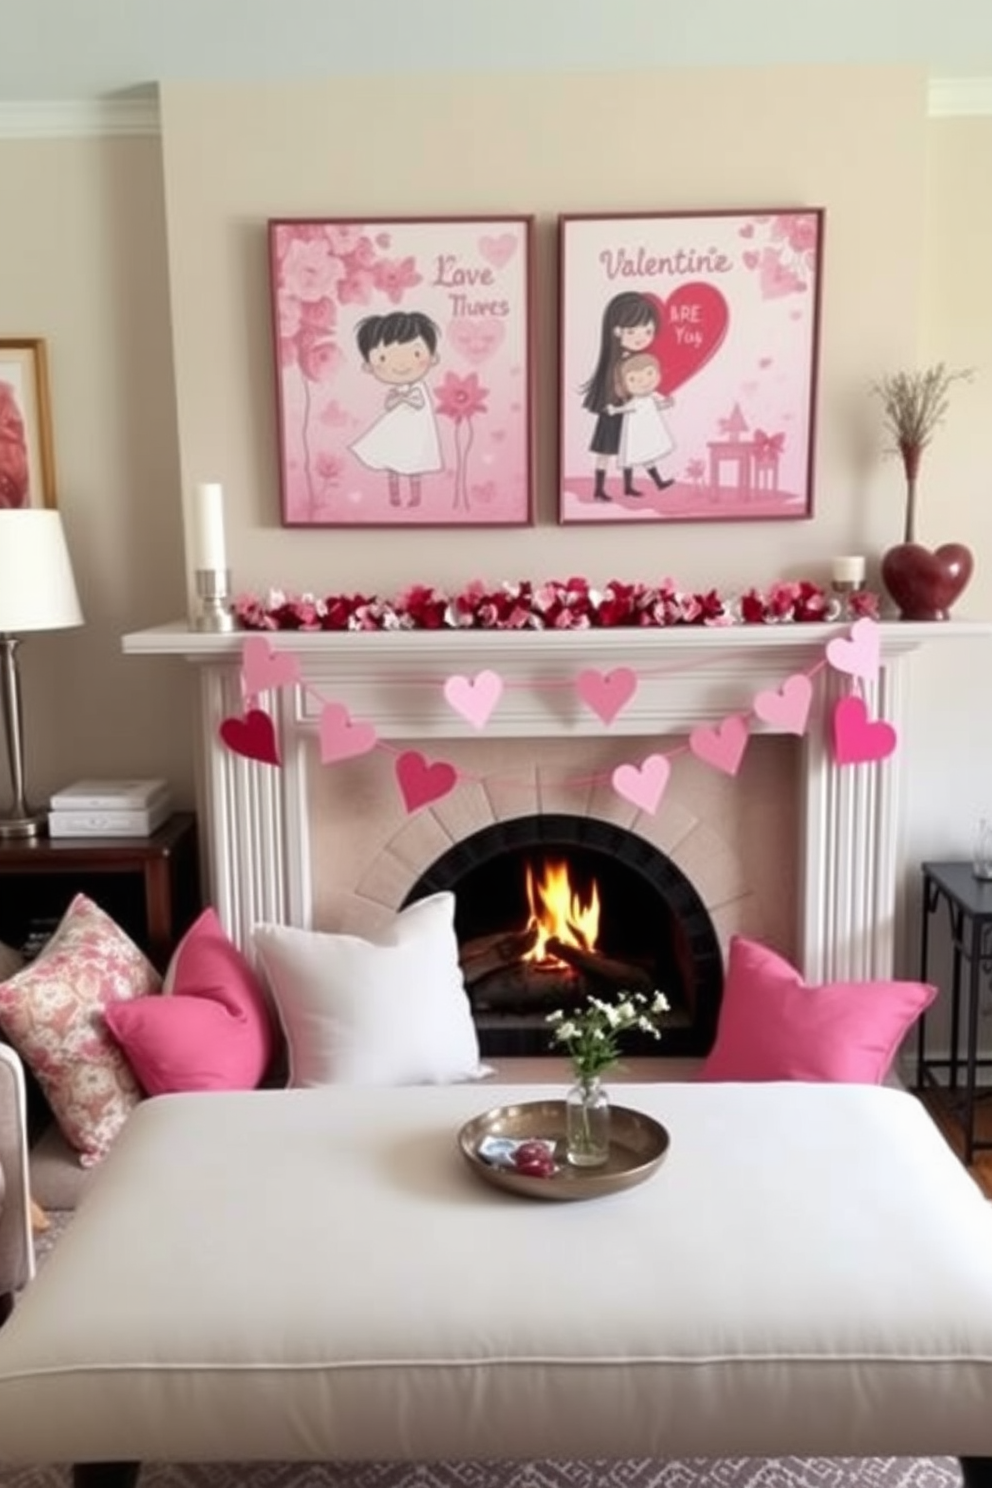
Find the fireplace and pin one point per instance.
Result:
(551, 908)
(269, 833)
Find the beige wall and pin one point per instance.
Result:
(850, 140)
(84, 266)
(143, 262)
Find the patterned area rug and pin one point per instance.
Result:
(739, 1472)
(777, 1472)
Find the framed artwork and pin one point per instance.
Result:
(27, 459)
(403, 370)
(688, 365)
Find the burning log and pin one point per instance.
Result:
(523, 990)
(488, 953)
(603, 973)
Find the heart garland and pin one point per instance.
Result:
(854, 737)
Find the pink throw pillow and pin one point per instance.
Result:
(52, 1012)
(772, 1026)
(210, 1030)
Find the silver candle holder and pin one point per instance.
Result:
(213, 593)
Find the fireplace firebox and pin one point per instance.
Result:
(551, 908)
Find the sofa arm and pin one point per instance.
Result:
(16, 1245)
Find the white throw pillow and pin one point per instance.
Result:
(357, 1012)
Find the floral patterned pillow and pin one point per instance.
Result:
(52, 1012)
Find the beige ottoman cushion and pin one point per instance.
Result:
(809, 1273)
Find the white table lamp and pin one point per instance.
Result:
(37, 592)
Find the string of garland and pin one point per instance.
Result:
(570, 604)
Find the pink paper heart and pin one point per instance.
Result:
(859, 655)
(474, 697)
(606, 693)
(858, 740)
(498, 250)
(644, 785)
(340, 738)
(722, 747)
(262, 668)
(788, 707)
(253, 736)
(751, 259)
(476, 339)
(422, 781)
(746, 232)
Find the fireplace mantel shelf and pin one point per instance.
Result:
(361, 647)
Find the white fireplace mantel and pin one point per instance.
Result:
(256, 817)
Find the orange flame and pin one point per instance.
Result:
(559, 913)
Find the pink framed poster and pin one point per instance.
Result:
(403, 369)
(688, 365)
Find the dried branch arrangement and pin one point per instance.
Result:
(914, 404)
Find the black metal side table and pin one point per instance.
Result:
(969, 907)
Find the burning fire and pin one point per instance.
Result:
(559, 913)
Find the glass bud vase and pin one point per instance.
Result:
(587, 1124)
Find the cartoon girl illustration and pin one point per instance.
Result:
(645, 437)
(629, 324)
(399, 350)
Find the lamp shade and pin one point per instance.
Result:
(37, 589)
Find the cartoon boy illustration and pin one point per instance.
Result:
(399, 350)
(645, 437)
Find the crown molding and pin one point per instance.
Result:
(77, 118)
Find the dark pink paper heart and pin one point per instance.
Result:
(253, 736)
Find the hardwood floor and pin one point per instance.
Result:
(981, 1167)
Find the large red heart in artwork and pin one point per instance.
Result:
(692, 323)
(923, 584)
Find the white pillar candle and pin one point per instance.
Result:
(209, 550)
(848, 570)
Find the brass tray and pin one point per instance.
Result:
(638, 1145)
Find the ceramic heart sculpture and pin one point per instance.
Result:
(925, 584)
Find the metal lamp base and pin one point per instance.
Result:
(19, 828)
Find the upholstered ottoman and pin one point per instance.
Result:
(320, 1275)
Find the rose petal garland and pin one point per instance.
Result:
(570, 604)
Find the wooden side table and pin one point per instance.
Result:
(151, 884)
(969, 907)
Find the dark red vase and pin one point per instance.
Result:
(925, 584)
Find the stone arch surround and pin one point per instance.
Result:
(734, 839)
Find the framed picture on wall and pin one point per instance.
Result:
(403, 370)
(688, 365)
(27, 460)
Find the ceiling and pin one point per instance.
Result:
(98, 49)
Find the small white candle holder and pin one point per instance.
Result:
(847, 575)
(213, 592)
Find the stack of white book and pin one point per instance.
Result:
(109, 808)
